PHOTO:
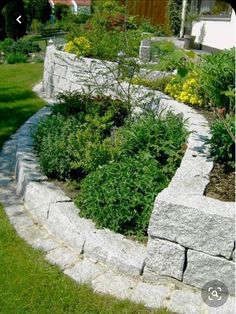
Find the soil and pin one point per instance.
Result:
(222, 180)
(222, 184)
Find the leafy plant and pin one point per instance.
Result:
(157, 84)
(16, 57)
(6, 44)
(120, 195)
(223, 140)
(218, 76)
(144, 155)
(174, 16)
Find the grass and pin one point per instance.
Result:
(28, 284)
(17, 101)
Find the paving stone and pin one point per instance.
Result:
(185, 302)
(202, 268)
(63, 257)
(165, 258)
(114, 284)
(151, 296)
(84, 271)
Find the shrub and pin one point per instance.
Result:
(157, 84)
(54, 141)
(174, 15)
(60, 10)
(187, 89)
(24, 46)
(144, 155)
(16, 57)
(72, 136)
(223, 140)
(217, 76)
(120, 195)
(79, 46)
(6, 44)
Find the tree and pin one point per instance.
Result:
(38, 10)
(11, 12)
(61, 10)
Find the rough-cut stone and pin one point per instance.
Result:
(21, 221)
(185, 303)
(151, 296)
(116, 251)
(61, 224)
(84, 271)
(40, 195)
(195, 226)
(202, 268)
(63, 257)
(227, 308)
(165, 258)
(114, 284)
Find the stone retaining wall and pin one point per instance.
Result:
(191, 236)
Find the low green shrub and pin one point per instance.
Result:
(217, 76)
(223, 141)
(54, 141)
(142, 156)
(81, 123)
(157, 84)
(16, 57)
(120, 195)
(6, 44)
(121, 164)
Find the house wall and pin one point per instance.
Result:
(218, 33)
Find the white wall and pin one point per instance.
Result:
(216, 33)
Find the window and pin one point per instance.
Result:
(215, 8)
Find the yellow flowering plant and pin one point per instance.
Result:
(79, 46)
(186, 90)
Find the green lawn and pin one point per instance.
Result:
(17, 101)
(28, 284)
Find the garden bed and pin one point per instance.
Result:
(118, 161)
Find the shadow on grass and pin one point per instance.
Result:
(9, 95)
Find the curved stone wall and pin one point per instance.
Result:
(191, 236)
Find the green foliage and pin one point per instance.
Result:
(22, 46)
(61, 10)
(223, 140)
(68, 141)
(15, 57)
(35, 26)
(170, 58)
(157, 84)
(120, 195)
(108, 30)
(37, 9)
(217, 76)
(53, 142)
(174, 16)
(123, 163)
(145, 26)
(12, 11)
(6, 44)
(144, 155)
